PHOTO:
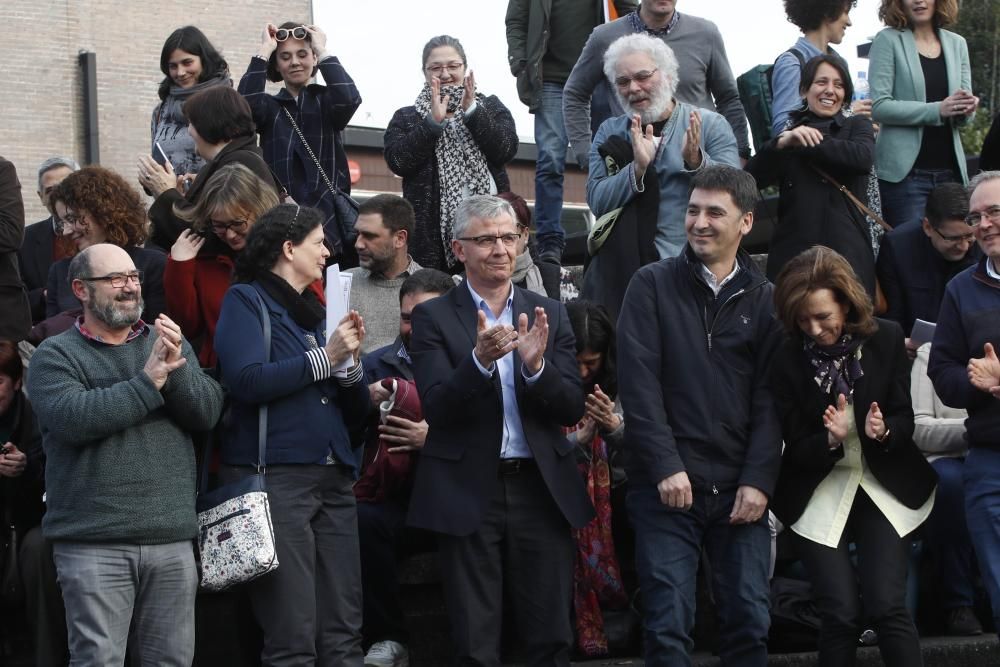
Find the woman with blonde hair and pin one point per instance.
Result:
(200, 266)
(920, 80)
(850, 471)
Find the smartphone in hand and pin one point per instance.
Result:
(159, 154)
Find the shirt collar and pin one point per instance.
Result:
(404, 354)
(638, 25)
(714, 283)
(991, 270)
(479, 301)
(137, 330)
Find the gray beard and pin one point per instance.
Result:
(658, 104)
(115, 315)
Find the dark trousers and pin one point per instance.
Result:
(310, 607)
(523, 551)
(43, 600)
(880, 579)
(947, 537)
(384, 537)
(981, 475)
(668, 546)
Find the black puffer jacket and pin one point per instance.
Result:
(694, 369)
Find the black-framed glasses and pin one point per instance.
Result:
(237, 225)
(638, 77)
(117, 280)
(954, 239)
(489, 240)
(438, 70)
(992, 214)
(281, 34)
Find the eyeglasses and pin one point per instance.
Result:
(281, 34)
(117, 280)
(74, 219)
(639, 77)
(992, 214)
(438, 70)
(220, 228)
(489, 240)
(961, 238)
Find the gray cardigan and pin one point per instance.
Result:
(703, 73)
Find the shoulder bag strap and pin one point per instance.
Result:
(302, 138)
(854, 200)
(265, 319)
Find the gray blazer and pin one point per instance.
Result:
(899, 99)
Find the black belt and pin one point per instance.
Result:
(515, 466)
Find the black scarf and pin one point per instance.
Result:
(836, 366)
(304, 308)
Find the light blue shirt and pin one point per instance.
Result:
(785, 78)
(514, 444)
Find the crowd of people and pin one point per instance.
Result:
(565, 458)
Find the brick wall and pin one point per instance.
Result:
(41, 105)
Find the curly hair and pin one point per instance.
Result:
(809, 15)
(893, 13)
(193, 41)
(110, 201)
(233, 190)
(284, 222)
(819, 268)
(595, 331)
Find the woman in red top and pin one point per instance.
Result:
(200, 266)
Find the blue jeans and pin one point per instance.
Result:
(668, 544)
(108, 586)
(947, 537)
(551, 141)
(981, 475)
(904, 202)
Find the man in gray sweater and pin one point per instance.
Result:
(705, 78)
(116, 400)
(385, 223)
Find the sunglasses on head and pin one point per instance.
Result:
(281, 34)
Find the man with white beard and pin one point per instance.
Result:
(658, 146)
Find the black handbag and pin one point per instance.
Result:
(339, 226)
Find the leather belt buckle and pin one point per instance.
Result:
(515, 466)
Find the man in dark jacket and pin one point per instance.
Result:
(16, 319)
(381, 520)
(966, 374)
(40, 247)
(915, 262)
(544, 41)
(695, 336)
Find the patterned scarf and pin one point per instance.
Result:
(836, 366)
(462, 168)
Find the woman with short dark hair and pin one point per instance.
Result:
(850, 471)
(820, 146)
(222, 128)
(453, 142)
(300, 126)
(190, 64)
(309, 608)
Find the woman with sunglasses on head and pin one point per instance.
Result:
(200, 265)
(451, 144)
(300, 127)
(820, 144)
(190, 64)
(96, 205)
(921, 86)
(309, 608)
(223, 131)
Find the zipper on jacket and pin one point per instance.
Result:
(715, 490)
(204, 529)
(710, 330)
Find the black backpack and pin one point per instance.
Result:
(754, 87)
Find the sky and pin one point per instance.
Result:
(380, 45)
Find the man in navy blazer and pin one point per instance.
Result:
(496, 480)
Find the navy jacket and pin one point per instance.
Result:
(34, 259)
(896, 463)
(913, 275)
(969, 317)
(696, 399)
(385, 362)
(306, 419)
(464, 412)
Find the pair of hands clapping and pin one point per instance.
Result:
(644, 145)
(984, 374)
(838, 423)
(439, 103)
(494, 342)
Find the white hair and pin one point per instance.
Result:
(53, 163)
(483, 207)
(656, 49)
(982, 177)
